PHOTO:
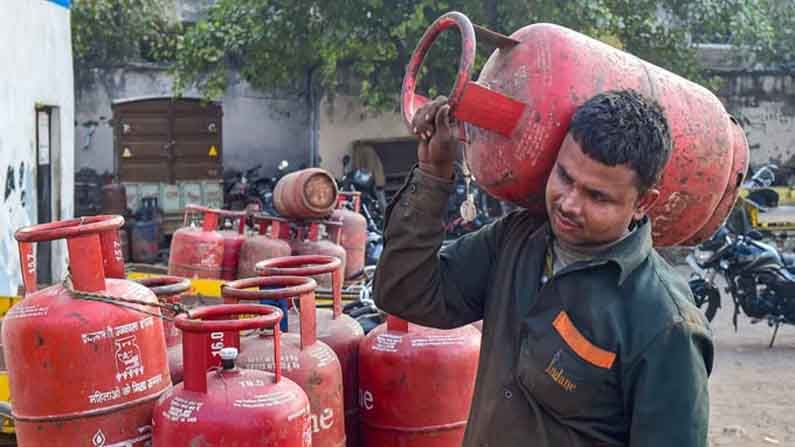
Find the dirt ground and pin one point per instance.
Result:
(752, 388)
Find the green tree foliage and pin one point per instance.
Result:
(107, 33)
(361, 47)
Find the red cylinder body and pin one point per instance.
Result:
(740, 157)
(197, 252)
(307, 361)
(339, 331)
(518, 113)
(169, 290)
(308, 242)
(306, 194)
(416, 384)
(82, 372)
(230, 406)
(353, 233)
(233, 241)
(262, 246)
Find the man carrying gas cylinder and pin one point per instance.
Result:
(589, 337)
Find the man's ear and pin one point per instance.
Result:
(645, 202)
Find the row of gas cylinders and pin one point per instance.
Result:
(223, 246)
(90, 365)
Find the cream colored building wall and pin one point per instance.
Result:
(345, 121)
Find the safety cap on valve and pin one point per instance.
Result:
(228, 357)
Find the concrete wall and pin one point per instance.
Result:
(344, 121)
(37, 48)
(257, 127)
(764, 103)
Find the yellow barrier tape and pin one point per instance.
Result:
(212, 288)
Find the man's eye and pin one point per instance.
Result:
(564, 176)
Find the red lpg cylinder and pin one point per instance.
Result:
(197, 252)
(231, 406)
(309, 242)
(341, 332)
(307, 361)
(306, 194)
(263, 245)
(739, 169)
(233, 241)
(83, 372)
(354, 231)
(169, 290)
(416, 384)
(518, 112)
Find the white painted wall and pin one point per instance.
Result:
(345, 121)
(37, 70)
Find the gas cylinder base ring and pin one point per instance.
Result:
(431, 428)
(90, 413)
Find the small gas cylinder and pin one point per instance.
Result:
(308, 241)
(169, 290)
(230, 406)
(307, 361)
(518, 112)
(416, 384)
(306, 194)
(146, 232)
(263, 245)
(83, 372)
(197, 252)
(341, 332)
(354, 231)
(233, 241)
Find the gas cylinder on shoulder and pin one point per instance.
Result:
(515, 117)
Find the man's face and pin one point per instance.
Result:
(590, 203)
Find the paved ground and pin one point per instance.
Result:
(752, 389)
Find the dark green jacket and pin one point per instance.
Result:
(610, 352)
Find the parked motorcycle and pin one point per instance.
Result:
(249, 188)
(373, 199)
(759, 279)
(373, 205)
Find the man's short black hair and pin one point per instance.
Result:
(624, 127)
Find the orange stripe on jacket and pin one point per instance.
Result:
(580, 345)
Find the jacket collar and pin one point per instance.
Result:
(627, 254)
